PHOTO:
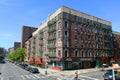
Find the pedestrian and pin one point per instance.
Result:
(76, 75)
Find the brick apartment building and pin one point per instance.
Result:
(16, 45)
(116, 47)
(70, 39)
(26, 33)
(11, 50)
(2, 51)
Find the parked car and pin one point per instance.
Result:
(105, 65)
(109, 75)
(34, 70)
(2, 61)
(23, 65)
(28, 68)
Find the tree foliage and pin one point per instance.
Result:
(18, 55)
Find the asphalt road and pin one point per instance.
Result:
(11, 71)
(97, 75)
(87, 76)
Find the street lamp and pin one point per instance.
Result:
(46, 58)
(97, 60)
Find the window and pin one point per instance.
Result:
(80, 19)
(76, 32)
(76, 42)
(65, 15)
(66, 33)
(89, 37)
(66, 53)
(59, 24)
(82, 53)
(75, 26)
(75, 17)
(89, 28)
(59, 34)
(65, 42)
(81, 26)
(76, 53)
(59, 16)
(82, 45)
(66, 24)
(59, 52)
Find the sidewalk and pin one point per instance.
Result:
(56, 73)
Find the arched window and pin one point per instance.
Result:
(66, 53)
(76, 53)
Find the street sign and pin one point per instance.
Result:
(47, 59)
(115, 66)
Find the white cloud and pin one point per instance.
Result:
(6, 36)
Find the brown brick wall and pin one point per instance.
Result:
(16, 45)
(26, 33)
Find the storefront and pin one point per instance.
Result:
(71, 63)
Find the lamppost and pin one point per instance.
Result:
(46, 58)
(46, 66)
(97, 61)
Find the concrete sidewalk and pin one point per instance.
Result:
(56, 73)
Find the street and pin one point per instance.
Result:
(87, 76)
(11, 71)
(95, 75)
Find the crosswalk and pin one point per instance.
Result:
(25, 77)
(43, 77)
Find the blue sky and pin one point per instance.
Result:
(16, 13)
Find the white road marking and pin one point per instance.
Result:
(2, 78)
(88, 77)
(27, 76)
(7, 78)
(32, 76)
(42, 76)
(36, 76)
(23, 77)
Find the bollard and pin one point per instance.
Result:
(46, 72)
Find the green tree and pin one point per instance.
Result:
(18, 55)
